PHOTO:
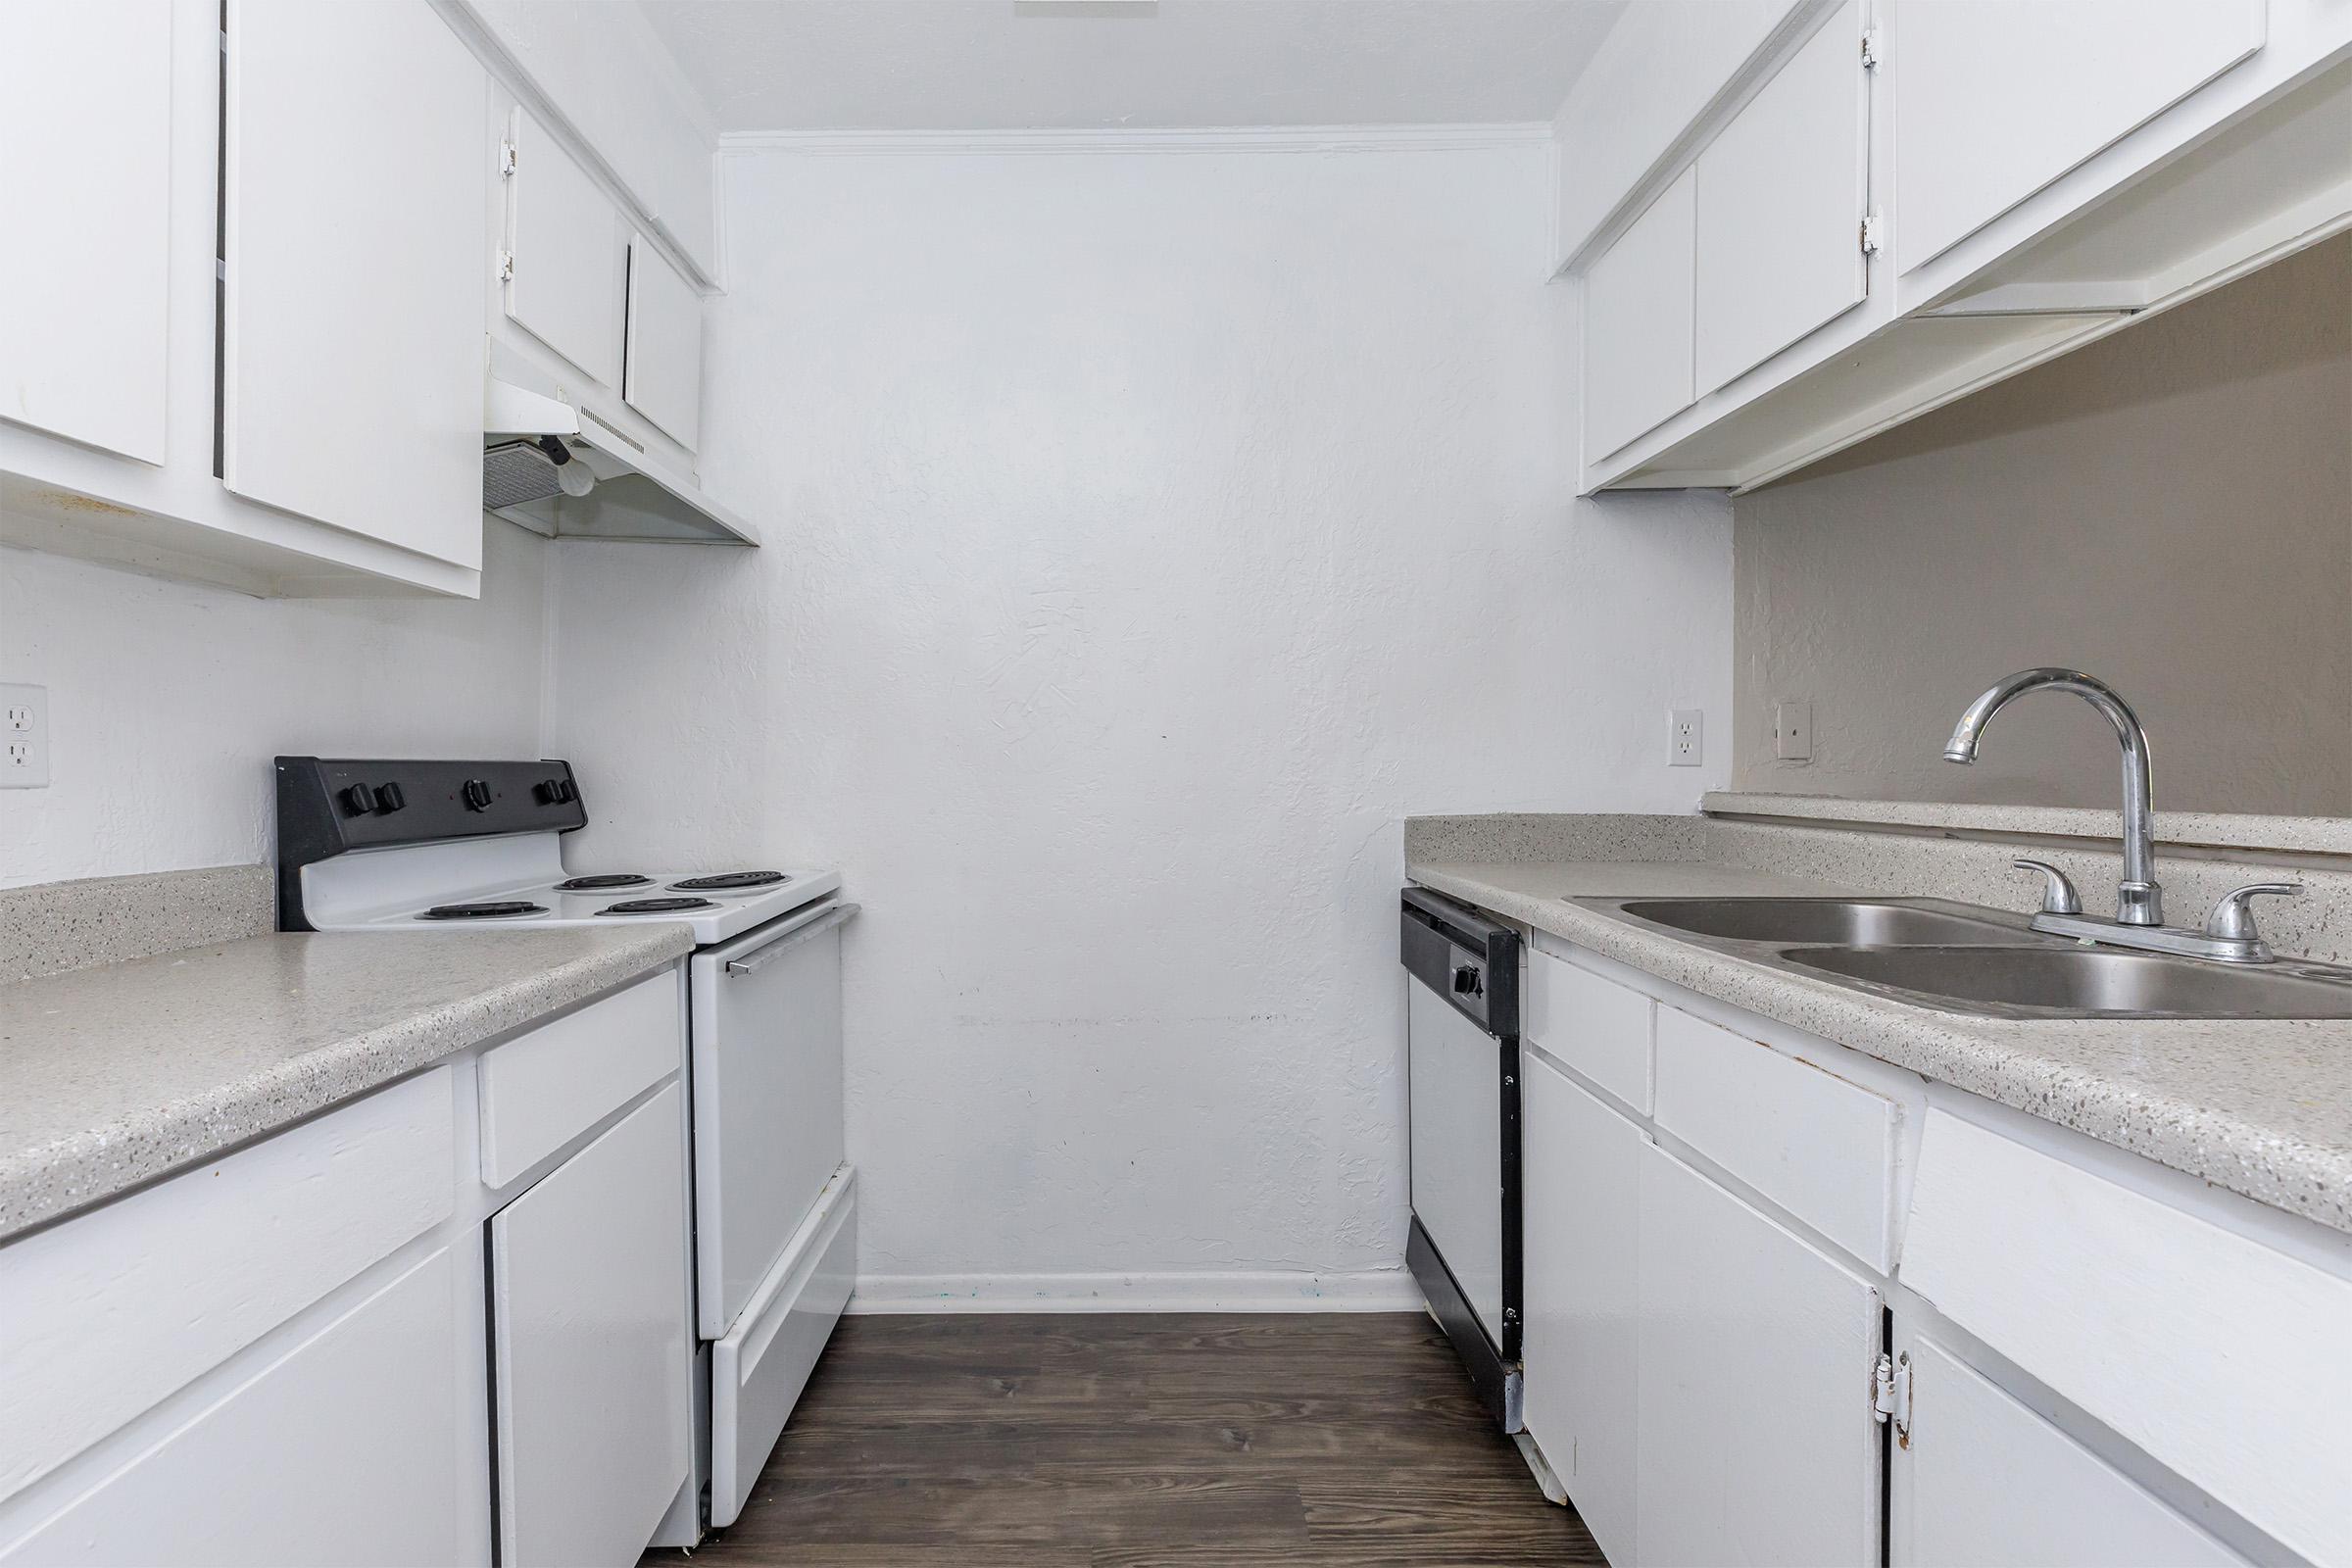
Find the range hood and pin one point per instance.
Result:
(539, 452)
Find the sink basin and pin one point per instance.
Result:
(1840, 923)
(2079, 981)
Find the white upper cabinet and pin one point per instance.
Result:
(1780, 201)
(85, 235)
(566, 253)
(665, 345)
(1997, 99)
(1894, 203)
(1637, 325)
(352, 354)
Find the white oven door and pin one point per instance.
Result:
(767, 1111)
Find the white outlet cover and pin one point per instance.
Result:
(1686, 737)
(24, 737)
(1793, 730)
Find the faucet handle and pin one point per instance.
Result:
(2233, 919)
(2058, 896)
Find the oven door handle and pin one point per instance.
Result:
(758, 957)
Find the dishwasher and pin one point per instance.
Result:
(1462, 1077)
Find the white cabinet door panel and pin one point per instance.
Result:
(1985, 1482)
(1638, 325)
(357, 261)
(568, 244)
(1756, 1439)
(591, 1346)
(666, 345)
(1995, 99)
(1581, 1165)
(1781, 194)
(85, 208)
(342, 1451)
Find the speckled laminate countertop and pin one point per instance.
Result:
(2260, 1106)
(115, 1075)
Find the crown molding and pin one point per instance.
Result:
(1213, 139)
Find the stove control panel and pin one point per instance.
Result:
(331, 806)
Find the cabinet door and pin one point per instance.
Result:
(1984, 1482)
(1995, 99)
(1780, 201)
(1756, 1439)
(1581, 1165)
(565, 241)
(356, 270)
(343, 1450)
(666, 345)
(1638, 325)
(85, 207)
(592, 1346)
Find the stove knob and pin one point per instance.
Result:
(358, 800)
(571, 792)
(476, 795)
(548, 792)
(389, 799)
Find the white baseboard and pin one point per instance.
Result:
(1269, 1290)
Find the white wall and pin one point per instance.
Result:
(2170, 509)
(1148, 533)
(167, 700)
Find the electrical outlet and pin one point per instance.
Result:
(1686, 737)
(24, 737)
(1793, 730)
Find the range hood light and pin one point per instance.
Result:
(571, 476)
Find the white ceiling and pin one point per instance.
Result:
(1017, 64)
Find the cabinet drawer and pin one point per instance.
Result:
(107, 1314)
(544, 1089)
(250, 1480)
(1820, 1147)
(2223, 1359)
(758, 1370)
(1596, 1026)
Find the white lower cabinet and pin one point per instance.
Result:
(2088, 1362)
(1980, 1481)
(1754, 1428)
(592, 1347)
(1580, 1163)
(342, 1449)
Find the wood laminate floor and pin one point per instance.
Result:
(1121, 1442)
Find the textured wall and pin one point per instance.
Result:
(1148, 533)
(168, 699)
(2170, 509)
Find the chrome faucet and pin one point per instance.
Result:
(2229, 935)
(2138, 899)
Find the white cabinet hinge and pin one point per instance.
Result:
(1890, 1395)
(506, 267)
(1870, 234)
(506, 159)
(1872, 48)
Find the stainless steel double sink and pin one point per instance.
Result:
(1963, 957)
